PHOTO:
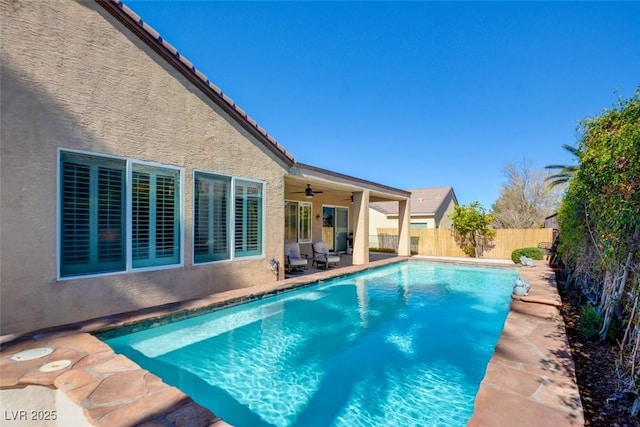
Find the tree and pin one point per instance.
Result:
(471, 228)
(564, 172)
(524, 200)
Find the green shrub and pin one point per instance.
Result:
(389, 251)
(533, 253)
(615, 331)
(384, 250)
(590, 322)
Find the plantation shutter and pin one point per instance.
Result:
(211, 222)
(248, 218)
(92, 214)
(203, 233)
(155, 216)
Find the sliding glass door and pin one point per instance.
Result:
(335, 227)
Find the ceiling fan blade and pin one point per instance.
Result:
(309, 192)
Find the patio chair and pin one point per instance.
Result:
(294, 259)
(322, 256)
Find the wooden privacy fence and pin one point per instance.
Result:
(440, 241)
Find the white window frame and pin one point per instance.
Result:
(129, 222)
(300, 203)
(262, 219)
(129, 162)
(231, 219)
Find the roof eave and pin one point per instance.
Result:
(364, 182)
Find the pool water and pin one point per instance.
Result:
(406, 344)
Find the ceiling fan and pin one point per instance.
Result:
(309, 192)
(349, 199)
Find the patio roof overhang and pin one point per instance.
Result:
(356, 193)
(337, 184)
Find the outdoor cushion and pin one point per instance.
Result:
(293, 257)
(321, 254)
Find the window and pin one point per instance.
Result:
(290, 221)
(94, 194)
(92, 214)
(227, 226)
(211, 217)
(297, 218)
(248, 218)
(155, 216)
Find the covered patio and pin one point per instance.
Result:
(329, 206)
(346, 260)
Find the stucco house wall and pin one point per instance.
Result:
(379, 219)
(424, 219)
(446, 209)
(73, 77)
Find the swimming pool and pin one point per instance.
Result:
(405, 344)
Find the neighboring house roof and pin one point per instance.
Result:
(153, 39)
(424, 201)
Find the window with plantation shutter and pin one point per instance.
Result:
(211, 217)
(140, 216)
(155, 225)
(94, 217)
(248, 218)
(92, 214)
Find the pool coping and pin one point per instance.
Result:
(113, 390)
(530, 379)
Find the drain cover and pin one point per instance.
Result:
(56, 365)
(32, 353)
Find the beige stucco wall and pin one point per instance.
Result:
(378, 219)
(73, 77)
(424, 219)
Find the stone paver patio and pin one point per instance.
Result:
(530, 380)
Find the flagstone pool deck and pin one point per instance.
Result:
(530, 380)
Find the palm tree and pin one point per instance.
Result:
(565, 172)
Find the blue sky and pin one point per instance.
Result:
(414, 94)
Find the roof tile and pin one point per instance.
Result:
(169, 46)
(201, 75)
(423, 201)
(149, 29)
(126, 9)
(227, 99)
(240, 110)
(188, 63)
(215, 88)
